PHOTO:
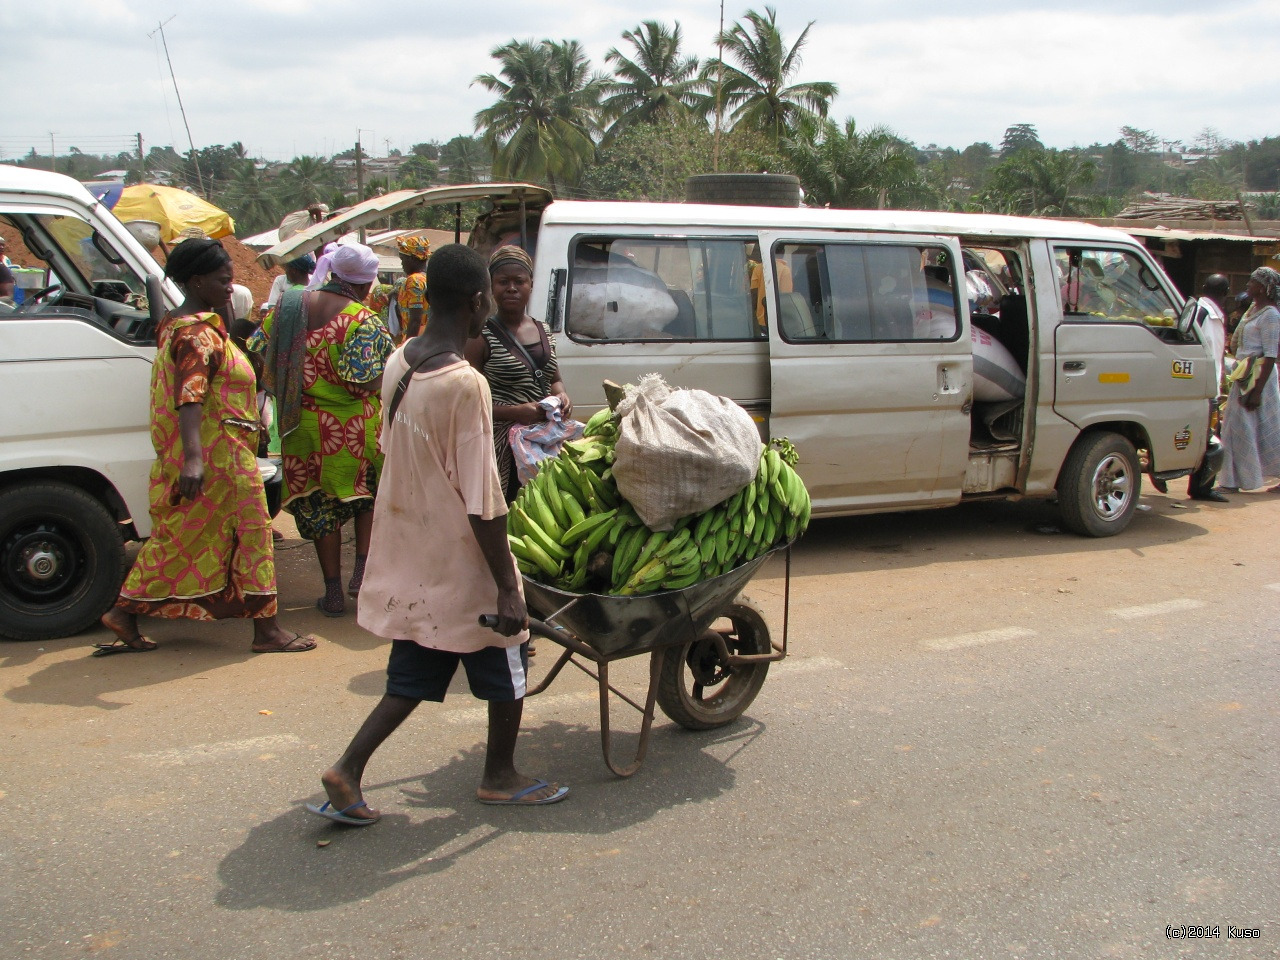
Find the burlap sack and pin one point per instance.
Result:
(681, 451)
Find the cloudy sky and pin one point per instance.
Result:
(288, 77)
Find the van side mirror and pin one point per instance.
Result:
(155, 302)
(1187, 316)
(555, 300)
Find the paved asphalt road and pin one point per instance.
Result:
(991, 740)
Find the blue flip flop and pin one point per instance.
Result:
(328, 811)
(517, 798)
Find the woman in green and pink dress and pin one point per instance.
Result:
(210, 555)
(324, 354)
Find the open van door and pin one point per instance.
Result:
(871, 367)
(521, 200)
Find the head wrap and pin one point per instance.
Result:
(1270, 281)
(509, 254)
(325, 264)
(303, 264)
(241, 301)
(417, 247)
(195, 258)
(355, 263)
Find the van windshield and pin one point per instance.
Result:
(79, 258)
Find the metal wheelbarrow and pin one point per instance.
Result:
(709, 648)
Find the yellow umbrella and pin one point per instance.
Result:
(175, 210)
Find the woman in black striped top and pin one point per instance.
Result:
(517, 355)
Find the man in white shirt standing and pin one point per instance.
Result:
(1212, 322)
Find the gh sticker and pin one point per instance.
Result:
(1184, 369)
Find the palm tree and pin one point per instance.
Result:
(841, 167)
(307, 180)
(248, 199)
(462, 157)
(543, 124)
(758, 94)
(657, 84)
(1039, 183)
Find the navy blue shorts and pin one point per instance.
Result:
(494, 673)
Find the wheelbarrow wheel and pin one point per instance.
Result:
(697, 689)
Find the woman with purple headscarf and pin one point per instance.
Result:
(1251, 421)
(324, 355)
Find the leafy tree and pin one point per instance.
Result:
(839, 166)
(758, 93)
(656, 83)
(1139, 141)
(418, 172)
(1020, 136)
(430, 150)
(542, 126)
(650, 161)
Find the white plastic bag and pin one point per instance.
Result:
(681, 451)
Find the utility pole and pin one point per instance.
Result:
(53, 154)
(194, 159)
(142, 162)
(359, 177)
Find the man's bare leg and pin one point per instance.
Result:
(501, 779)
(342, 780)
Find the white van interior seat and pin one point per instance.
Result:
(731, 316)
(796, 318)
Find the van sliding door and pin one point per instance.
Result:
(871, 366)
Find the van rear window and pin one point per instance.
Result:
(661, 288)
(864, 292)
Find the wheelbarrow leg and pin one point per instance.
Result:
(646, 724)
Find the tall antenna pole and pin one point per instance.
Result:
(715, 150)
(194, 159)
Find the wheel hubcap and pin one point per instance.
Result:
(1112, 487)
(40, 561)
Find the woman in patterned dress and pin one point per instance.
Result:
(324, 357)
(409, 293)
(517, 380)
(1251, 420)
(209, 556)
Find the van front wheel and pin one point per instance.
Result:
(61, 560)
(1100, 485)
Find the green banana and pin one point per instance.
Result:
(540, 557)
(586, 525)
(548, 543)
(573, 509)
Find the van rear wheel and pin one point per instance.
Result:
(1099, 486)
(62, 560)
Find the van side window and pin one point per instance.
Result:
(860, 292)
(1110, 285)
(647, 288)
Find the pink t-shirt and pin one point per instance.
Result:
(426, 579)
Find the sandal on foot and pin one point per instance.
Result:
(120, 645)
(296, 644)
(356, 582)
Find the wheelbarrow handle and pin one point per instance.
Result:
(490, 620)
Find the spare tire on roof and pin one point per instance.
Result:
(744, 189)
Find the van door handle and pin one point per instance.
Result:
(1073, 366)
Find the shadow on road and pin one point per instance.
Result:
(280, 866)
(991, 530)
